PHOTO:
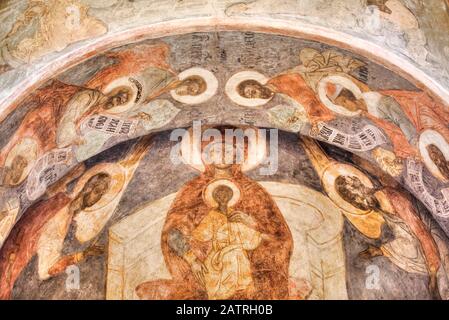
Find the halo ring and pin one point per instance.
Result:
(426, 138)
(345, 83)
(207, 76)
(239, 77)
(209, 189)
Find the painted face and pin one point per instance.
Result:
(118, 97)
(352, 190)
(93, 190)
(222, 195)
(438, 158)
(347, 99)
(16, 170)
(252, 89)
(191, 86)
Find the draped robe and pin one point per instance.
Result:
(23, 242)
(294, 86)
(269, 261)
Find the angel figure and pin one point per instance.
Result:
(44, 226)
(412, 249)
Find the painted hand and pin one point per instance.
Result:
(143, 116)
(80, 141)
(240, 217)
(371, 252)
(93, 251)
(314, 130)
(199, 270)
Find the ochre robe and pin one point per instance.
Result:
(41, 122)
(130, 62)
(228, 266)
(269, 261)
(402, 148)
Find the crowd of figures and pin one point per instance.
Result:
(226, 236)
(402, 131)
(405, 133)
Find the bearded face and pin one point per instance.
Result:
(192, 86)
(94, 189)
(252, 89)
(347, 99)
(438, 158)
(118, 97)
(352, 190)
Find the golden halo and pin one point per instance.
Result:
(426, 138)
(331, 173)
(130, 83)
(117, 183)
(209, 189)
(343, 82)
(27, 148)
(207, 76)
(239, 77)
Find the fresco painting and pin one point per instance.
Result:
(45, 27)
(87, 176)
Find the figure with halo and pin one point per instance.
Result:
(44, 226)
(253, 89)
(368, 208)
(136, 82)
(224, 237)
(226, 271)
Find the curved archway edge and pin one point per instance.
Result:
(376, 53)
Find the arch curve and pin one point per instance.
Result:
(329, 104)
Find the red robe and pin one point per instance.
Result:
(21, 245)
(406, 212)
(41, 122)
(294, 86)
(401, 145)
(129, 62)
(402, 148)
(269, 261)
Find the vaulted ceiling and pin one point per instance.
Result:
(355, 88)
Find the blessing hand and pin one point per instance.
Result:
(241, 217)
